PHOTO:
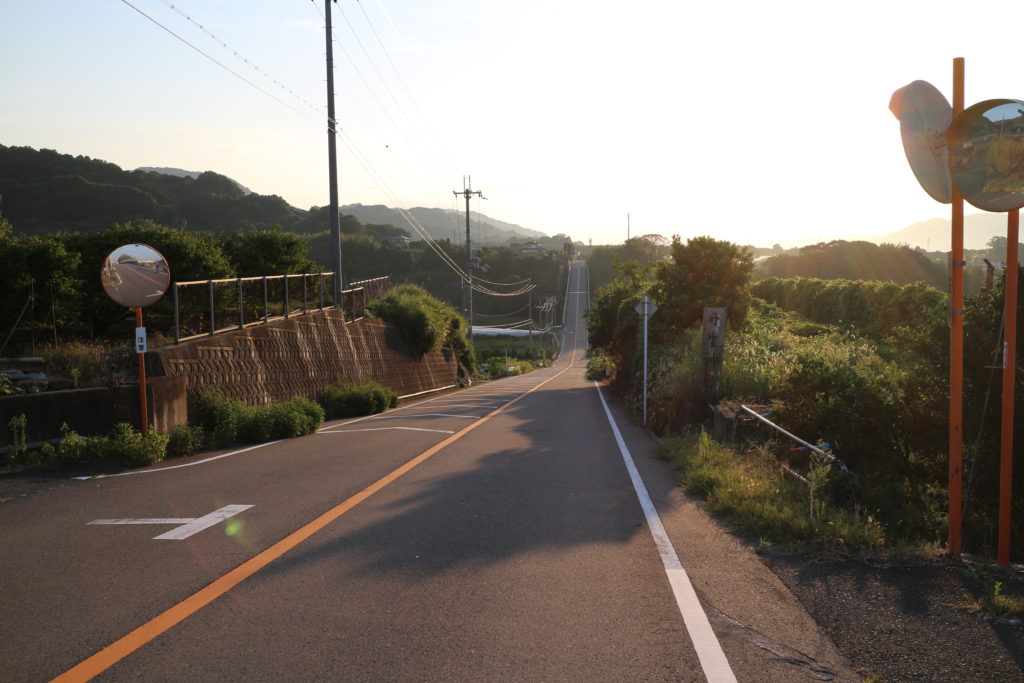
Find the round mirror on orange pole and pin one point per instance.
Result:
(986, 154)
(136, 276)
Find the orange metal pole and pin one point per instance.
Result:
(956, 343)
(1009, 382)
(143, 407)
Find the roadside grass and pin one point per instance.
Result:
(999, 599)
(488, 346)
(750, 493)
(1000, 604)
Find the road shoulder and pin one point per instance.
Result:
(761, 624)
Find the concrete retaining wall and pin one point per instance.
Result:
(299, 357)
(261, 364)
(87, 411)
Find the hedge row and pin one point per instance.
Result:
(874, 309)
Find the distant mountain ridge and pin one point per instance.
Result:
(182, 173)
(934, 234)
(45, 191)
(444, 223)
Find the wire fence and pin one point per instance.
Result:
(204, 308)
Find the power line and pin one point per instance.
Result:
(379, 75)
(332, 122)
(244, 59)
(401, 80)
(223, 66)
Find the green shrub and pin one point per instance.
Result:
(18, 426)
(133, 448)
(599, 366)
(184, 440)
(497, 367)
(71, 449)
(226, 421)
(296, 417)
(253, 422)
(424, 323)
(217, 415)
(355, 399)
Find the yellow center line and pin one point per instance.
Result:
(118, 650)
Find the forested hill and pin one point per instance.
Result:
(43, 191)
(856, 261)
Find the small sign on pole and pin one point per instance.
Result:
(140, 340)
(646, 309)
(712, 350)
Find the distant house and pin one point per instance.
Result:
(531, 247)
(401, 241)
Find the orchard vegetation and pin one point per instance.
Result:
(860, 364)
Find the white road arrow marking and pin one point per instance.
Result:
(188, 526)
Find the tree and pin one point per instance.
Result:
(43, 266)
(255, 253)
(702, 272)
(191, 256)
(997, 249)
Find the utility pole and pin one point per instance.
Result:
(529, 307)
(332, 162)
(468, 192)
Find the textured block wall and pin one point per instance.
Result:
(299, 357)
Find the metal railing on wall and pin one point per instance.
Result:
(204, 308)
(804, 444)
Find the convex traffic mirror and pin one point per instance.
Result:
(135, 275)
(986, 154)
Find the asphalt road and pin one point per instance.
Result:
(492, 533)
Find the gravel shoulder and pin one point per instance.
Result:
(911, 620)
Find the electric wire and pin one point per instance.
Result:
(244, 59)
(405, 87)
(346, 139)
(215, 61)
(502, 315)
(384, 83)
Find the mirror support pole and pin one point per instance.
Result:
(956, 342)
(1009, 379)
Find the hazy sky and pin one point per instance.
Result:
(750, 121)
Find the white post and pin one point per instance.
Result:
(646, 309)
(646, 317)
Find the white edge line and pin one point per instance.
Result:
(383, 429)
(462, 405)
(406, 417)
(709, 650)
(145, 520)
(178, 467)
(428, 391)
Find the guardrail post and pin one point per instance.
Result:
(305, 301)
(210, 285)
(266, 305)
(177, 318)
(320, 279)
(241, 306)
(286, 306)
